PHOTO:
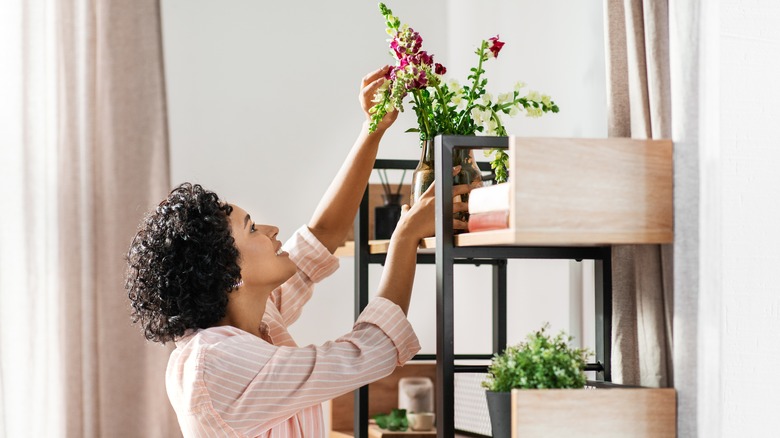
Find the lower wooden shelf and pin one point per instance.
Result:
(375, 432)
(619, 412)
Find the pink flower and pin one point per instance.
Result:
(495, 46)
(396, 49)
(440, 69)
(420, 59)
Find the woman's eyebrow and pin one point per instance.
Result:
(246, 220)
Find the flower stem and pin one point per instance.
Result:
(475, 82)
(421, 116)
(445, 109)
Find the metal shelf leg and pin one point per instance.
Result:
(361, 301)
(499, 306)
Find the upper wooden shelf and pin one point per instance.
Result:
(580, 192)
(588, 192)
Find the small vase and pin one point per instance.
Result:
(500, 410)
(423, 175)
(386, 216)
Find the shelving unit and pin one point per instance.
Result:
(494, 249)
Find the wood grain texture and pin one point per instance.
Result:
(375, 432)
(637, 413)
(591, 191)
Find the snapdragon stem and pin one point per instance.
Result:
(499, 126)
(476, 80)
(446, 110)
(417, 101)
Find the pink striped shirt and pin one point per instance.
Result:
(223, 381)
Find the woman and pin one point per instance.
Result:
(204, 275)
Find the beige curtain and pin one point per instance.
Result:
(84, 153)
(113, 166)
(639, 106)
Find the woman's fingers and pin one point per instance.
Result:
(374, 75)
(370, 88)
(458, 207)
(459, 225)
(460, 189)
(369, 85)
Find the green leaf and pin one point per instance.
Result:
(395, 420)
(541, 361)
(412, 130)
(382, 420)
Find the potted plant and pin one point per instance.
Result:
(541, 362)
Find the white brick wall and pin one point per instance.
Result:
(750, 153)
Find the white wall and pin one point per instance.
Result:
(750, 157)
(263, 109)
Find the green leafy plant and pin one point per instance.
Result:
(395, 420)
(540, 362)
(447, 107)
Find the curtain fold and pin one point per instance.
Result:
(113, 167)
(639, 106)
(83, 154)
(30, 360)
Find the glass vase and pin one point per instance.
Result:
(423, 175)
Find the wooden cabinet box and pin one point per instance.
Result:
(619, 412)
(573, 191)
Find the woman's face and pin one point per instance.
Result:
(262, 261)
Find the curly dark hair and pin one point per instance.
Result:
(182, 264)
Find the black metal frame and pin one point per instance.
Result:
(445, 257)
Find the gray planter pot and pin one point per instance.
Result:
(500, 409)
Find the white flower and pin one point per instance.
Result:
(491, 127)
(513, 111)
(454, 86)
(503, 98)
(519, 85)
(534, 112)
(487, 99)
(546, 100)
(457, 99)
(476, 115)
(534, 95)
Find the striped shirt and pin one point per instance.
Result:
(223, 381)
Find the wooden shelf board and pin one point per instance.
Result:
(638, 412)
(376, 433)
(513, 237)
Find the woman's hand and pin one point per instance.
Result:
(419, 221)
(370, 84)
(416, 223)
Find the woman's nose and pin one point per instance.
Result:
(271, 230)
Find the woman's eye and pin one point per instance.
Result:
(252, 228)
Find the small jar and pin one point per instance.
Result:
(415, 394)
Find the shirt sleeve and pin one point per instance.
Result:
(252, 382)
(314, 263)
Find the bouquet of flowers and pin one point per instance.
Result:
(446, 107)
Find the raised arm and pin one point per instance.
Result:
(415, 224)
(336, 211)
